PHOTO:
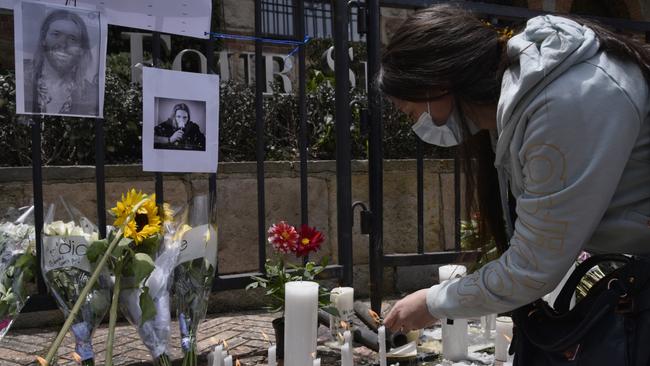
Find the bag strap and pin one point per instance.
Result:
(526, 321)
(563, 300)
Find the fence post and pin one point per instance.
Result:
(375, 157)
(260, 86)
(343, 144)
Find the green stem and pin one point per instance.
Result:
(162, 360)
(190, 358)
(113, 314)
(82, 298)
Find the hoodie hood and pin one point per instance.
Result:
(547, 47)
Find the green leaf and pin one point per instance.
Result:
(142, 266)
(96, 250)
(150, 245)
(147, 306)
(121, 246)
(25, 260)
(252, 285)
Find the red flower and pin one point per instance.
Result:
(310, 241)
(283, 237)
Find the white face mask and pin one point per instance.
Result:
(445, 135)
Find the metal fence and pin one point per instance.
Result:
(368, 20)
(342, 270)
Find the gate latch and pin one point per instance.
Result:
(365, 217)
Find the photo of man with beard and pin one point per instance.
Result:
(61, 77)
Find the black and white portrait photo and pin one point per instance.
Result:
(181, 124)
(60, 55)
(180, 121)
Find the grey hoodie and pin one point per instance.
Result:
(573, 146)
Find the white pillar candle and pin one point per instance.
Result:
(317, 362)
(451, 271)
(488, 323)
(347, 337)
(228, 361)
(454, 339)
(300, 322)
(503, 338)
(217, 356)
(346, 355)
(271, 356)
(381, 332)
(343, 299)
(454, 332)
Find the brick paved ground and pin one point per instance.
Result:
(242, 332)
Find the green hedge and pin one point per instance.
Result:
(70, 141)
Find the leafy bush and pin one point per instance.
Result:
(71, 141)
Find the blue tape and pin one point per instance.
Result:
(241, 37)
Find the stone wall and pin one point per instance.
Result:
(237, 206)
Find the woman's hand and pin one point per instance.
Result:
(410, 313)
(178, 135)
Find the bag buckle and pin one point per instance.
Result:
(571, 354)
(619, 287)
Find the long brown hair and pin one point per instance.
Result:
(445, 47)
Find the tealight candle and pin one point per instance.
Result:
(503, 338)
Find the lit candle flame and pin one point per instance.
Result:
(374, 316)
(76, 357)
(266, 337)
(207, 236)
(225, 344)
(42, 361)
(340, 337)
(509, 339)
(313, 355)
(237, 363)
(345, 325)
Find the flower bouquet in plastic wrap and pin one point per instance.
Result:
(194, 272)
(140, 254)
(66, 271)
(142, 264)
(17, 264)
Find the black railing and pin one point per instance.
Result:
(222, 282)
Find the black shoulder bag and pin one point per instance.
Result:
(610, 326)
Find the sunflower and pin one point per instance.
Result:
(124, 207)
(146, 221)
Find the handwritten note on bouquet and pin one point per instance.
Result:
(200, 242)
(65, 251)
